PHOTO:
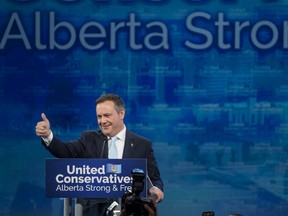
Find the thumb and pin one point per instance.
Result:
(44, 117)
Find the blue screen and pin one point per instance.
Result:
(205, 81)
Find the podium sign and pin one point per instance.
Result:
(91, 178)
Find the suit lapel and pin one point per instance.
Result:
(129, 146)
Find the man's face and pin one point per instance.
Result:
(110, 122)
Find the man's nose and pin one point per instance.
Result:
(102, 120)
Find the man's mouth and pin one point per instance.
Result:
(105, 126)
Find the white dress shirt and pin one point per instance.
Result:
(120, 142)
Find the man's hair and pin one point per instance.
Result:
(118, 102)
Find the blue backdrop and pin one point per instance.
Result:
(206, 81)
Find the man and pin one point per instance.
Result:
(110, 111)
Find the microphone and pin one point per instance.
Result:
(105, 142)
(111, 208)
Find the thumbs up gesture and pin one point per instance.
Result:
(43, 127)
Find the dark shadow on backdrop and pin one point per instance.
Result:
(30, 200)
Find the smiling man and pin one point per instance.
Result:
(110, 112)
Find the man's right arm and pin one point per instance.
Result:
(55, 146)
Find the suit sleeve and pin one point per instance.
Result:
(152, 168)
(72, 149)
(62, 149)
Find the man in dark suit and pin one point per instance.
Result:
(110, 111)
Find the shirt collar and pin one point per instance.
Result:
(121, 135)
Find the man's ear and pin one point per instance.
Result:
(122, 114)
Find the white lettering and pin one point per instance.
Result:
(14, 19)
(255, 32)
(113, 33)
(201, 31)
(69, 188)
(106, 189)
(98, 36)
(285, 35)
(204, 33)
(38, 43)
(238, 28)
(232, 37)
(64, 25)
(85, 169)
(125, 187)
(162, 37)
(132, 33)
(221, 32)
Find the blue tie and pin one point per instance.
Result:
(112, 153)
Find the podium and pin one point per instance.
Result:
(91, 178)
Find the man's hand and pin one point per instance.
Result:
(157, 193)
(43, 127)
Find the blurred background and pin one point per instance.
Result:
(206, 81)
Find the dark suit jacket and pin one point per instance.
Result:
(91, 144)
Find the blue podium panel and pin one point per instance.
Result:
(91, 178)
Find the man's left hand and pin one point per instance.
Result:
(159, 195)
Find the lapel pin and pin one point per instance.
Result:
(132, 145)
